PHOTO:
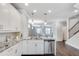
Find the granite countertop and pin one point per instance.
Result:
(6, 45)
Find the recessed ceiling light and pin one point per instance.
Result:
(38, 21)
(34, 11)
(49, 11)
(76, 11)
(26, 4)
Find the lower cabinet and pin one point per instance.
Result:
(15, 50)
(19, 48)
(25, 47)
(33, 47)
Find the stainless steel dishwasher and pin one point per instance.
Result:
(48, 46)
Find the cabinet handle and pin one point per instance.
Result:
(35, 44)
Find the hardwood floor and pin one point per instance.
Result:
(65, 50)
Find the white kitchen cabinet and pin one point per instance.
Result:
(24, 47)
(15, 50)
(35, 47)
(10, 18)
(19, 49)
(14, 19)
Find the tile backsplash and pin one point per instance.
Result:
(8, 36)
(2, 37)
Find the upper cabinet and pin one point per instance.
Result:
(10, 18)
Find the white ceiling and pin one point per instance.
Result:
(60, 11)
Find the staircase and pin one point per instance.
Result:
(74, 33)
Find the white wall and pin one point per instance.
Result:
(59, 32)
(65, 33)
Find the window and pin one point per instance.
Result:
(48, 31)
(38, 30)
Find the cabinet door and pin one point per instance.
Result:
(19, 49)
(16, 50)
(35, 47)
(12, 51)
(24, 47)
(31, 47)
(40, 47)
